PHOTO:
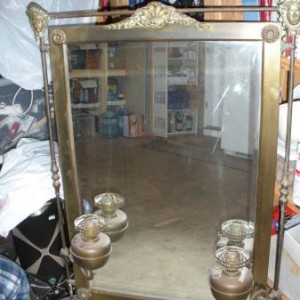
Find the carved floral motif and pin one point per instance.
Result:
(270, 34)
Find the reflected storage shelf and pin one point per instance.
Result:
(85, 73)
(182, 63)
(182, 121)
(175, 68)
(84, 105)
(98, 62)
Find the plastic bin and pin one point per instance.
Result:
(109, 125)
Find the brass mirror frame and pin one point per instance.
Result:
(136, 30)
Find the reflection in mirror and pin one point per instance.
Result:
(172, 127)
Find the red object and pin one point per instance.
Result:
(288, 50)
(265, 16)
(13, 130)
(105, 6)
(289, 213)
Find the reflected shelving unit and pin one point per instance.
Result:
(175, 70)
(101, 71)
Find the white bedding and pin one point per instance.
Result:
(25, 182)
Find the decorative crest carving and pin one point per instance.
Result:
(290, 12)
(270, 33)
(38, 18)
(156, 15)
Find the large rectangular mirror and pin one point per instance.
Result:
(180, 120)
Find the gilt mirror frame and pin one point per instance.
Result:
(158, 22)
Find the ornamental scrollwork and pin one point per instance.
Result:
(155, 16)
(270, 33)
(38, 18)
(58, 37)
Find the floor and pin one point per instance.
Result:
(177, 192)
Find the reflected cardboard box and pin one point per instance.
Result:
(133, 125)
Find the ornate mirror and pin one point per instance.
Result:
(178, 118)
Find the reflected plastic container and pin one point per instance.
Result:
(109, 125)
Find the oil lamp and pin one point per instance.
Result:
(237, 232)
(90, 248)
(116, 219)
(231, 278)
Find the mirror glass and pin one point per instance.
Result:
(174, 128)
